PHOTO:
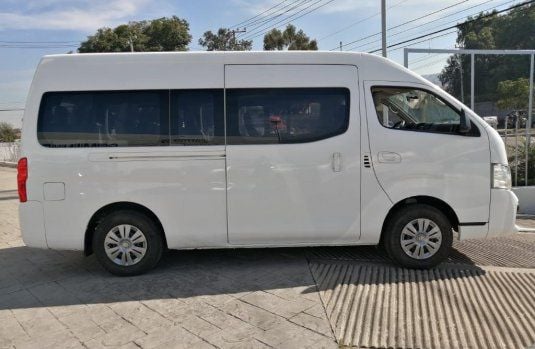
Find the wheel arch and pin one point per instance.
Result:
(116, 206)
(422, 199)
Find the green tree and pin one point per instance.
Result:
(168, 34)
(224, 40)
(520, 163)
(161, 34)
(289, 39)
(513, 94)
(7, 132)
(512, 30)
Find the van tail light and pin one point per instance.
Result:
(22, 176)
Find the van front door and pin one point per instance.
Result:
(417, 149)
(293, 154)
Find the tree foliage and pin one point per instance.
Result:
(161, 34)
(289, 39)
(513, 30)
(7, 132)
(224, 40)
(513, 94)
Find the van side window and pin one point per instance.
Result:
(286, 115)
(197, 117)
(103, 119)
(411, 109)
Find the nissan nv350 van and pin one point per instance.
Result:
(125, 155)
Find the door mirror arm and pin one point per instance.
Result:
(464, 123)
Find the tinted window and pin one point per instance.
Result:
(415, 110)
(286, 115)
(197, 117)
(103, 119)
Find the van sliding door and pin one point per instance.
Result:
(293, 154)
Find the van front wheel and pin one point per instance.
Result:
(127, 243)
(418, 236)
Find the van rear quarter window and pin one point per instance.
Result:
(103, 119)
(197, 117)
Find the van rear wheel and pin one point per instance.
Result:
(418, 236)
(127, 243)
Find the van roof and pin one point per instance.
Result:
(236, 57)
(193, 69)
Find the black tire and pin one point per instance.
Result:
(153, 237)
(393, 235)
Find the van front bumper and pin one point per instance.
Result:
(32, 224)
(502, 219)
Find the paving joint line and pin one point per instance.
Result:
(333, 333)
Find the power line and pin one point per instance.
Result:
(427, 64)
(426, 23)
(457, 25)
(426, 57)
(246, 22)
(296, 5)
(257, 23)
(34, 47)
(359, 21)
(15, 109)
(404, 23)
(37, 42)
(424, 40)
(296, 18)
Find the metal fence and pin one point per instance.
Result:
(516, 131)
(10, 152)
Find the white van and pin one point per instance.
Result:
(125, 155)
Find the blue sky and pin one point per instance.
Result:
(70, 21)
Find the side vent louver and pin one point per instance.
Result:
(367, 162)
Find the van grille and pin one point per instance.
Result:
(367, 163)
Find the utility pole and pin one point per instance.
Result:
(131, 42)
(234, 31)
(340, 46)
(383, 26)
(462, 81)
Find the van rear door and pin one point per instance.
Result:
(293, 154)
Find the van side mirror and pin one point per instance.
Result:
(464, 123)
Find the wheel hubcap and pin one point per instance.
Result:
(421, 238)
(125, 245)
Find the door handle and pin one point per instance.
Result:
(337, 162)
(388, 157)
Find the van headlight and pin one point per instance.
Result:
(501, 176)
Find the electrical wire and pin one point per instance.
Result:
(434, 21)
(247, 21)
(402, 24)
(263, 22)
(359, 21)
(296, 18)
(457, 25)
(37, 42)
(427, 64)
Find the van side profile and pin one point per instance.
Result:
(125, 155)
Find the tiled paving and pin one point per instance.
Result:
(263, 298)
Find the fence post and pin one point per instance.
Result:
(472, 76)
(528, 126)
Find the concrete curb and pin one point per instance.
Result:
(8, 164)
(525, 230)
